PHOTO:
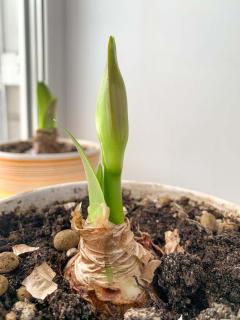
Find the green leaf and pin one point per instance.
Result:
(46, 107)
(96, 196)
(100, 176)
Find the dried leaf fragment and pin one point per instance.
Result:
(39, 283)
(147, 242)
(172, 240)
(23, 248)
(148, 271)
(77, 220)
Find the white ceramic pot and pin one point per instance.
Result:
(43, 197)
(21, 172)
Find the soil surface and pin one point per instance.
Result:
(192, 284)
(27, 147)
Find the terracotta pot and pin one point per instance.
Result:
(23, 172)
(43, 197)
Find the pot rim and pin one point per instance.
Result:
(93, 148)
(67, 192)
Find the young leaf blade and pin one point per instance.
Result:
(100, 175)
(96, 196)
(46, 107)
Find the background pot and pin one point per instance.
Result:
(23, 172)
(72, 191)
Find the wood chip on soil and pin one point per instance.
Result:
(23, 248)
(172, 241)
(39, 283)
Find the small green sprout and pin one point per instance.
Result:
(46, 107)
(112, 127)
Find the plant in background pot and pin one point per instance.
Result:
(45, 140)
(46, 159)
(85, 251)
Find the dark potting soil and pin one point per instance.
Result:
(27, 146)
(184, 284)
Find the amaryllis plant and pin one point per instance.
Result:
(110, 265)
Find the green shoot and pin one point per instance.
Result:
(46, 107)
(112, 128)
(96, 197)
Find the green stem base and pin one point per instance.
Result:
(113, 196)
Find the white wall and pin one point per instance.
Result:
(57, 54)
(181, 64)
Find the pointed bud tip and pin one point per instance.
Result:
(111, 47)
(111, 41)
(112, 56)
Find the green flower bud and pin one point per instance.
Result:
(112, 114)
(112, 129)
